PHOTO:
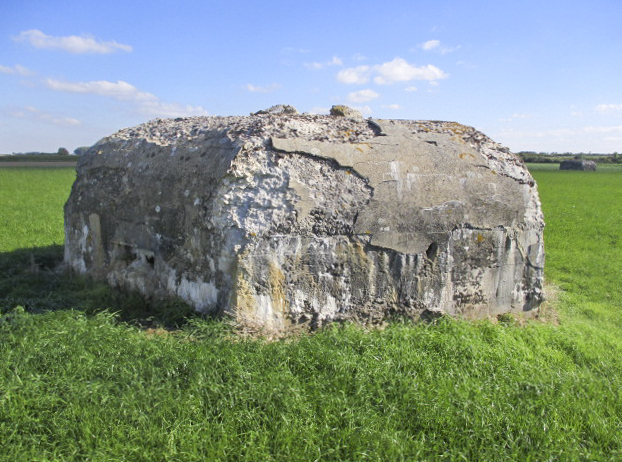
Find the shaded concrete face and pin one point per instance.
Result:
(281, 218)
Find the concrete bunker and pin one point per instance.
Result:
(280, 218)
(577, 164)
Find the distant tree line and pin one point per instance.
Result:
(62, 155)
(60, 152)
(34, 153)
(556, 158)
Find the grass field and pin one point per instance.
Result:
(32, 206)
(80, 379)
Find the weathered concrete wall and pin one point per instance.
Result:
(283, 218)
(588, 165)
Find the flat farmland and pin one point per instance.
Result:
(90, 374)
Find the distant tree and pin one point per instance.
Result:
(81, 150)
(615, 157)
(62, 152)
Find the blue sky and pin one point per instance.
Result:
(533, 75)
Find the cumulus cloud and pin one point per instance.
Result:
(16, 70)
(608, 107)
(70, 44)
(365, 110)
(35, 114)
(118, 90)
(145, 103)
(359, 75)
(333, 62)
(392, 106)
(410, 89)
(398, 70)
(259, 89)
(362, 96)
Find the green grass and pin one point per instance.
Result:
(583, 237)
(31, 206)
(86, 384)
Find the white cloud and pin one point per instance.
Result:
(319, 110)
(265, 89)
(608, 107)
(365, 110)
(392, 106)
(35, 114)
(430, 45)
(359, 74)
(399, 70)
(118, 90)
(16, 70)
(70, 44)
(410, 89)
(362, 96)
(333, 62)
(171, 110)
(435, 45)
(146, 103)
(359, 57)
